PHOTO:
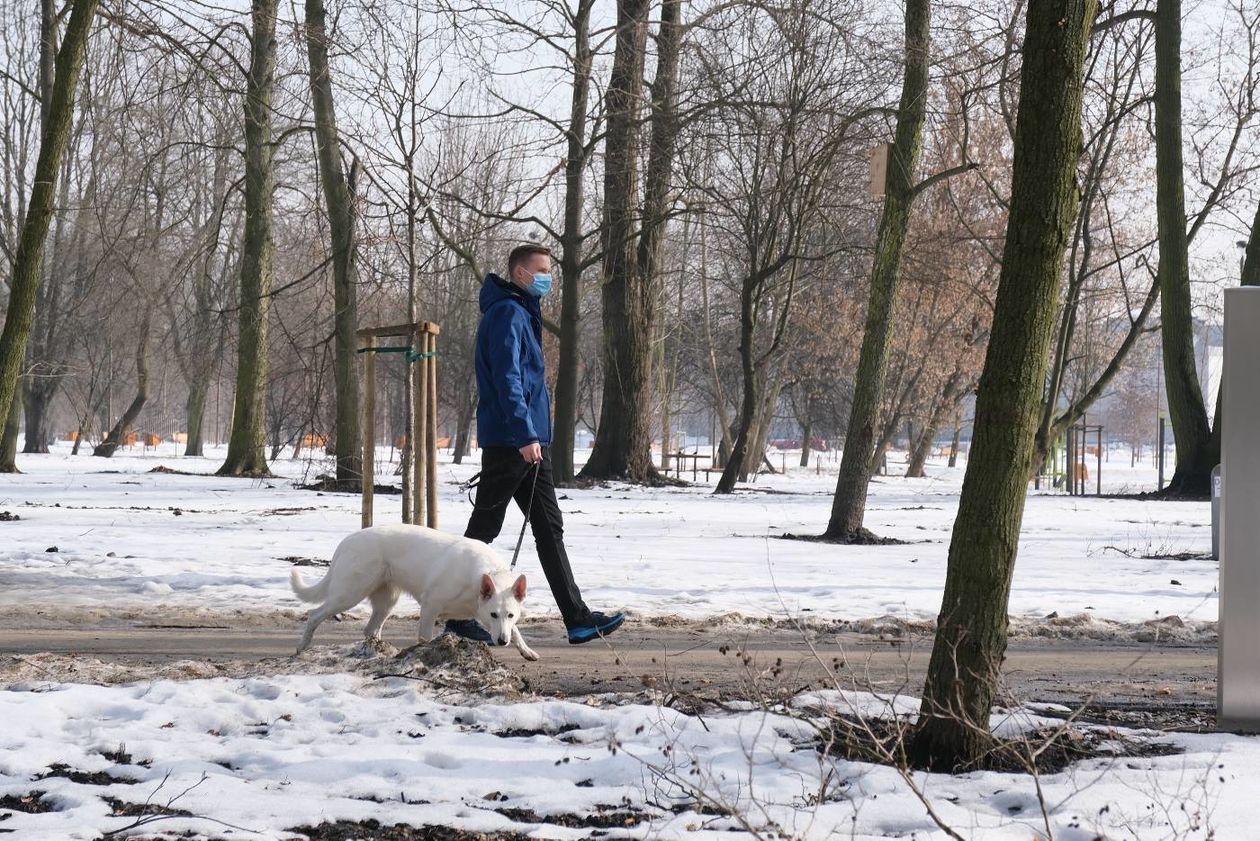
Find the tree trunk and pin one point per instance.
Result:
(463, 433)
(807, 432)
(923, 449)
(195, 414)
(953, 726)
(848, 508)
(25, 276)
(623, 442)
(571, 261)
(1186, 409)
(245, 456)
(115, 438)
(665, 437)
(345, 272)
(656, 196)
(953, 445)
(9, 437)
(37, 399)
(737, 465)
(715, 378)
(41, 386)
(770, 390)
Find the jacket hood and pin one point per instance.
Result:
(496, 289)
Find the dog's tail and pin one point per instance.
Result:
(309, 593)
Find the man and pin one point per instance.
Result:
(514, 430)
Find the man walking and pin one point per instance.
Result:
(514, 431)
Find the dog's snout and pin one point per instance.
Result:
(503, 640)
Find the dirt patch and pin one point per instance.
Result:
(162, 468)
(1148, 555)
(31, 803)
(1167, 630)
(330, 485)
(299, 561)
(1050, 750)
(1167, 715)
(371, 830)
(619, 819)
(88, 778)
(123, 809)
(861, 537)
(521, 733)
(453, 663)
(31, 672)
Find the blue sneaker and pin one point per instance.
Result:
(597, 625)
(469, 629)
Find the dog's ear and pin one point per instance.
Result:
(487, 588)
(518, 589)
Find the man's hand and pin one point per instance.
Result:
(532, 453)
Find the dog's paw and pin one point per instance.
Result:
(529, 654)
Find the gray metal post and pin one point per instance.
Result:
(1238, 670)
(1216, 512)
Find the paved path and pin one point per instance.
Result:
(1169, 685)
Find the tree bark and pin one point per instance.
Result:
(737, 466)
(246, 455)
(723, 451)
(38, 391)
(571, 247)
(463, 432)
(25, 277)
(807, 432)
(953, 445)
(1186, 409)
(9, 437)
(848, 508)
(195, 415)
(338, 198)
(36, 401)
(759, 398)
(623, 442)
(115, 438)
(953, 727)
(948, 400)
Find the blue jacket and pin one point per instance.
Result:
(513, 407)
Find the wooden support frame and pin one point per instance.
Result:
(368, 479)
(420, 503)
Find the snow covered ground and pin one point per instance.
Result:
(254, 757)
(125, 538)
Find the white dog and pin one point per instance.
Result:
(451, 577)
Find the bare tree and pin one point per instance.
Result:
(338, 198)
(24, 285)
(623, 437)
(971, 629)
(245, 456)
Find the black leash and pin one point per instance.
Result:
(528, 508)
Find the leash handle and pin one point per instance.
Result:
(528, 510)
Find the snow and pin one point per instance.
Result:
(255, 757)
(124, 536)
(282, 752)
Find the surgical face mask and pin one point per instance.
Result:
(541, 285)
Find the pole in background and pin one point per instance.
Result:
(1160, 451)
(1238, 675)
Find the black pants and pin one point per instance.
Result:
(506, 476)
